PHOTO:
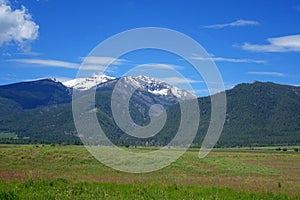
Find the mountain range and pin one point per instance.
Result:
(258, 113)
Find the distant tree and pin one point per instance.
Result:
(278, 149)
(284, 149)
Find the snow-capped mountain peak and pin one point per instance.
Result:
(156, 87)
(87, 83)
(148, 84)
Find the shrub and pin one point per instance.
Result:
(284, 149)
(278, 149)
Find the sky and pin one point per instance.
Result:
(249, 41)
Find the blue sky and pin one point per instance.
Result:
(248, 40)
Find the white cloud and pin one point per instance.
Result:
(205, 92)
(88, 65)
(3, 2)
(213, 90)
(279, 44)
(160, 66)
(179, 80)
(47, 62)
(236, 23)
(29, 53)
(16, 25)
(267, 73)
(94, 60)
(297, 8)
(234, 60)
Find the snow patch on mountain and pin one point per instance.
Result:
(144, 83)
(157, 87)
(163, 92)
(87, 83)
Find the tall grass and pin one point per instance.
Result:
(63, 189)
(66, 172)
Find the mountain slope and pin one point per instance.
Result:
(44, 107)
(257, 114)
(8, 107)
(147, 90)
(36, 93)
(262, 114)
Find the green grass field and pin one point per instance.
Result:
(70, 172)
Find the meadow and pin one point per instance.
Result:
(70, 172)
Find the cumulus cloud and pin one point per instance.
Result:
(16, 25)
(268, 73)
(279, 44)
(236, 23)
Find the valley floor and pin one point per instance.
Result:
(65, 172)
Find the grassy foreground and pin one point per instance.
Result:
(62, 189)
(70, 172)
